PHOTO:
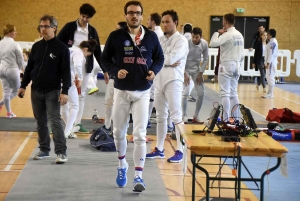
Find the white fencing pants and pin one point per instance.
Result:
(84, 84)
(108, 103)
(10, 78)
(168, 98)
(270, 75)
(138, 102)
(69, 111)
(228, 78)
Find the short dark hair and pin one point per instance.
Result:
(52, 20)
(135, 3)
(260, 25)
(196, 31)
(173, 14)
(230, 18)
(272, 32)
(156, 18)
(90, 44)
(122, 25)
(87, 9)
(187, 28)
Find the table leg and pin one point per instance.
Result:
(195, 165)
(193, 159)
(263, 176)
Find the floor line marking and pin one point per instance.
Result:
(291, 100)
(13, 159)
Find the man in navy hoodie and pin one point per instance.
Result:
(138, 58)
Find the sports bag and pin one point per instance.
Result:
(102, 140)
(283, 115)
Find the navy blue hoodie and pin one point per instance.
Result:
(137, 60)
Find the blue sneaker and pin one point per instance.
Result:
(171, 128)
(149, 124)
(41, 155)
(138, 184)
(156, 154)
(176, 158)
(122, 176)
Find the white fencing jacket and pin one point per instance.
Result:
(175, 48)
(10, 54)
(271, 52)
(231, 45)
(77, 63)
(194, 57)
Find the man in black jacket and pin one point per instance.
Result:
(73, 33)
(48, 69)
(256, 36)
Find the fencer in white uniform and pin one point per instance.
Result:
(11, 61)
(231, 44)
(153, 24)
(168, 84)
(271, 62)
(77, 63)
(197, 48)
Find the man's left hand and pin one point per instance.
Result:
(151, 75)
(63, 99)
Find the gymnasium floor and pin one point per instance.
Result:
(16, 148)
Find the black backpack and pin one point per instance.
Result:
(102, 140)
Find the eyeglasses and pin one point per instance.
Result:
(45, 26)
(131, 13)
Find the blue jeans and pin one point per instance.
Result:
(44, 106)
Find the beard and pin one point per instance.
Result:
(131, 25)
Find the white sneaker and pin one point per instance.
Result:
(75, 129)
(257, 87)
(268, 96)
(70, 135)
(185, 119)
(10, 115)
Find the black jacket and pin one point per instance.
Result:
(258, 58)
(48, 67)
(66, 35)
(255, 38)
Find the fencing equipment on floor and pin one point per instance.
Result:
(11, 61)
(271, 58)
(193, 68)
(69, 111)
(231, 56)
(168, 85)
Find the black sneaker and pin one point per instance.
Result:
(40, 155)
(61, 159)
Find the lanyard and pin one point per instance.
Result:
(137, 37)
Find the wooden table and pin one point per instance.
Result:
(211, 145)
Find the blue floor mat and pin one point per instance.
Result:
(277, 187)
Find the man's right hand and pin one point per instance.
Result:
(21, 92)
(186, 79)
(122, 73)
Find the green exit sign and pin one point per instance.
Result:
(240, 10)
